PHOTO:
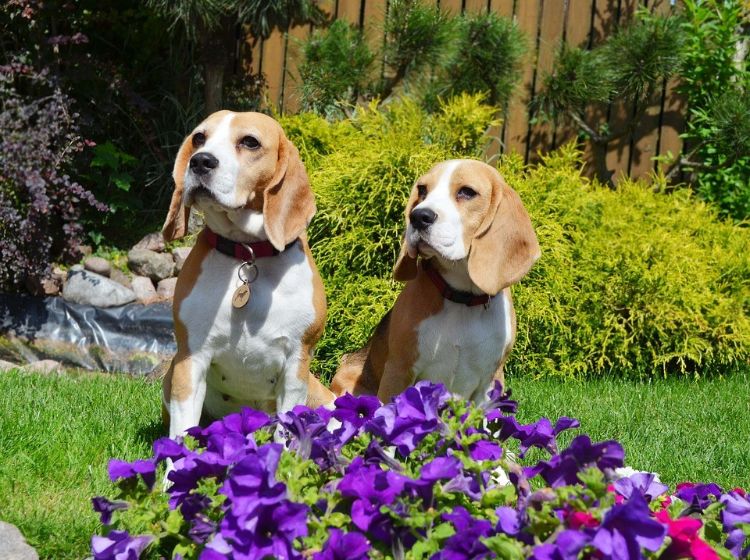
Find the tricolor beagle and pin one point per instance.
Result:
(249, 304)
(468, 238)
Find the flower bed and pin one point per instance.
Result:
(425, 476)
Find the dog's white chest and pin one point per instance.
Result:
(249, 349)
(461, 346)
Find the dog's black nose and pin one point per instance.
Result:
(203, 162)
(422, 218)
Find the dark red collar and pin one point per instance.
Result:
(465, 298)
(246, 252)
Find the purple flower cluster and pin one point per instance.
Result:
(426, 473)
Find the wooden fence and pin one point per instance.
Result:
(546, 23)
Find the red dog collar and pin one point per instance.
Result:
(456, 296)
(246, 252)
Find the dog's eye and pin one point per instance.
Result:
(250, 142)
(421, 191)
(466, 193)
(199, 139)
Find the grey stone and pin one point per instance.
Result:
(99, 265)
(13, 545)
(120, 277)
(152, 242)
(6, 366)
(165, 288)
(43, 366)
(85, 250)
(196, 222)
(144, 289)
(49, 286)
(94, 289)
(180, 255)
(156, 266)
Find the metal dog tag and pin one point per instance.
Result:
(241, 296)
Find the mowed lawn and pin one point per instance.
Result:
(58, 432)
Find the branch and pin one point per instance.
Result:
(595, 136)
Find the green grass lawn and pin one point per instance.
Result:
(57, 433)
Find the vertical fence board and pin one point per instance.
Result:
(475, 6)
(291, 94)
(453, 7)
(517, 127)
(349, 10)
(273, 67)
(577, 31)
(550, 34)
(672, 120)
(503, 7)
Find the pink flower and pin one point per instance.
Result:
(578, 519)
(685, 540)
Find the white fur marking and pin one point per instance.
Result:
(446, 235)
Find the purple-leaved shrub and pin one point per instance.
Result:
(40, 203)
(427, 475)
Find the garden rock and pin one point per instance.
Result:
(144, 290)
(85, 250)
(98, 265)
(7, 366)
(152, 242)
(89, 288)
(120, 277)
(180, 255)
(49, 286)
(13, 545)
(195, 222)
(44, 366)
(165, 289)
(145, 262)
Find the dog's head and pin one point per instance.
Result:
(234, 162)
(463, 210)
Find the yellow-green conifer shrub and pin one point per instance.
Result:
(631, 282)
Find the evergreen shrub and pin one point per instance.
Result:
(631, 282)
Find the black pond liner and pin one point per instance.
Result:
(131, 338)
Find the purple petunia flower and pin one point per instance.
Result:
(627, 528)
(485, 451)
(310, 436)
(371, 487)
(499, 401)
(563, 469)
(123, 470)
(244, 423)
(344, 546)
(167, 448)
(698, 495)
(252, 483)
(643, 483)
(119, 545)
(412, 415)
(441, 468)
(567, 546)
(269, 530)
(201, 529)
(353, 412)
(465, 543)
(105, 508)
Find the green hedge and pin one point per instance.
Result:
(632, 282)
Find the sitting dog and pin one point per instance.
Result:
(468, 238)
(249, 304)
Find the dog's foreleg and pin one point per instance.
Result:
(294, 387)
(185, 391)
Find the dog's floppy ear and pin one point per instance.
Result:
(505, 246)
(288, 201)
(406, 264)
(175, 226)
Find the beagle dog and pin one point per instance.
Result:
(468, 238)
(249, 304)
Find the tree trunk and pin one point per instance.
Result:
(213, 74)
(217, 46)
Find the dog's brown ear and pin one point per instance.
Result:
(505, 246)
(175, 226)
(288, 201)
(406, 264)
